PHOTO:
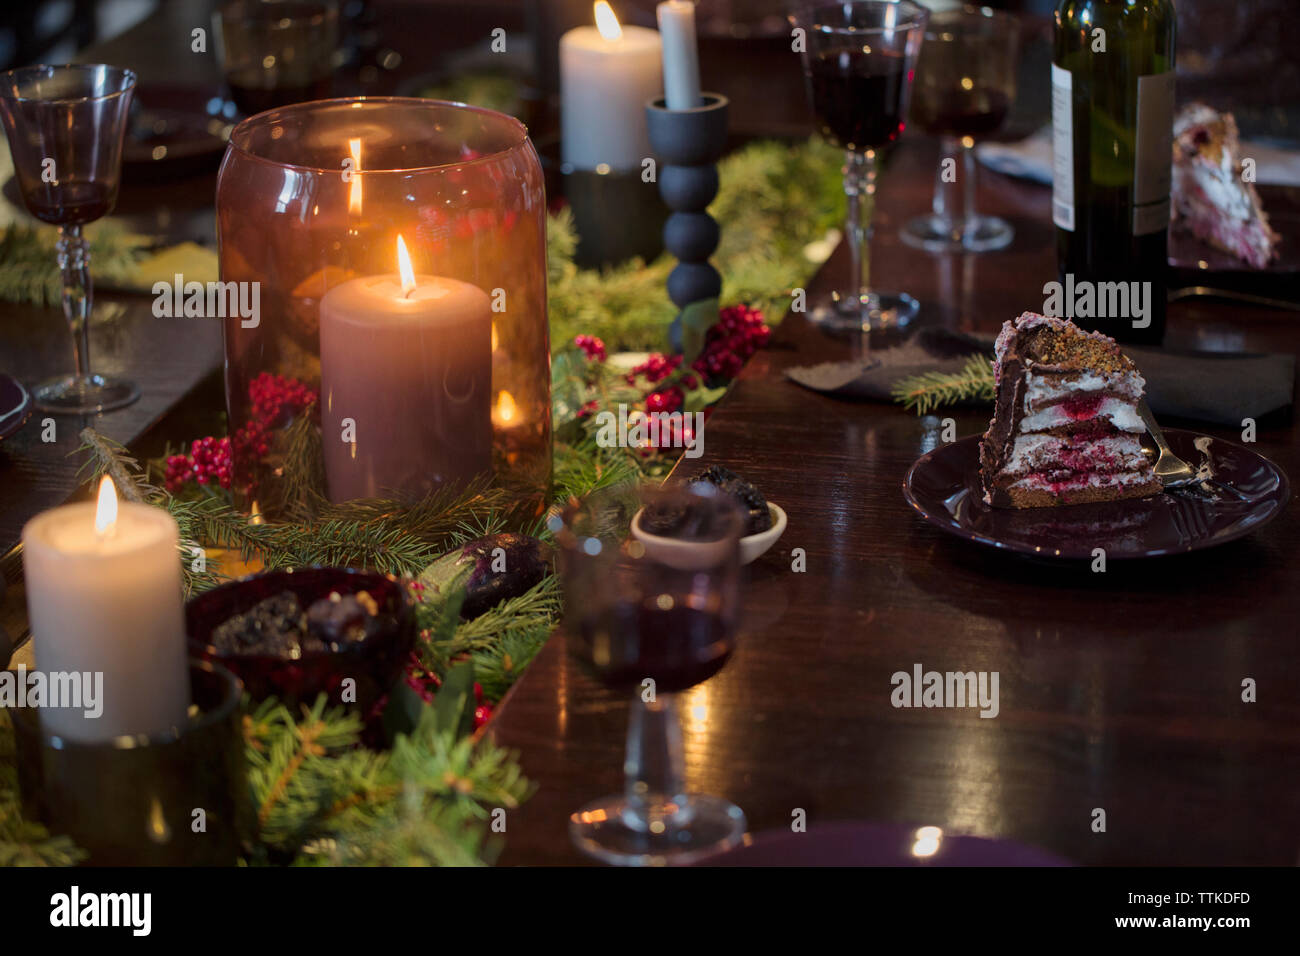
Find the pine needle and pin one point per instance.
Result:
(931, 390)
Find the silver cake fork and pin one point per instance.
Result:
(1172, 471)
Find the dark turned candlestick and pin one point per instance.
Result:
(688, 144)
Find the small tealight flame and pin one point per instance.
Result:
(106, 508)
(606, 22)
(404, 267)
(505, 407)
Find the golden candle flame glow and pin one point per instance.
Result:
(106, 507)
(506, 408)
(404, 267)
(606, 22)
(354, 197)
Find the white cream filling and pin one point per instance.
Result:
(1119, 479)
(1041, 390)
(1121, 414)
(1125, 449)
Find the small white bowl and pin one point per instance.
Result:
(689, 555)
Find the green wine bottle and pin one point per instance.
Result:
(1112, 132)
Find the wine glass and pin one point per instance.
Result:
(858, 59)
(965, 85)
(65, 126)
(277, 52)
(651, 623)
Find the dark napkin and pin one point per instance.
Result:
(1217, 387)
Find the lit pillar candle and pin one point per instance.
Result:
(681, 57)
(607, 73)
(406, 384)
(103, 583)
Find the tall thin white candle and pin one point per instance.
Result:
(681, 56)
(104, 597)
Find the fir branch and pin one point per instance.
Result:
(110, 457)
(931, 390)
(29, 271)
(23, 843)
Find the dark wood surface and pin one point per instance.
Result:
(1119, 691)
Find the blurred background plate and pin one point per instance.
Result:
(15, 406)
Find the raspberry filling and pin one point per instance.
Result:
(1083, 407)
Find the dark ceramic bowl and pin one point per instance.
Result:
(375, 663)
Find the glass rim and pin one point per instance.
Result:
(968, 10)
(266, 116)
(916, 17)
(128, 76)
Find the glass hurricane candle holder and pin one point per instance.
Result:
(394, 252)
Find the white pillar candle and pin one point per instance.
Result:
(681, 56)
(107, 600)
(406, 383)
(607, 73)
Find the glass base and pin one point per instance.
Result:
(612, 831)
(70, 395)
(978, 234)
(845, 312)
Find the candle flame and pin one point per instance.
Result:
(404, 267)
(505, 407)
(354, 197)
(106, 507)
(606, 22)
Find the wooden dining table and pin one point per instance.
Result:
(1120, 691)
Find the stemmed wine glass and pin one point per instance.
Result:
(651, 623)
(858, 59)
(277, 52)
(965, 85)
(65, 127)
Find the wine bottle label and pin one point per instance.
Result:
(1063, 149)
(1155, 143)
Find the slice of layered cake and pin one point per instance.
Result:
(1210, 198)
(1065, 427)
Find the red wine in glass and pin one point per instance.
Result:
(251, 98)
(70, 202)
(677, 647)
(975, 113)
(858, 97)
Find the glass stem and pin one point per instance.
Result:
(954, 187)
(860, 187)
(654, 768)
(74, 266)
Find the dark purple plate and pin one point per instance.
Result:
(15, 406)
(878, 844)
(944, 488)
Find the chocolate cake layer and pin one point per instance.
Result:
(1065, 426)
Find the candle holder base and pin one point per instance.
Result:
(689, 144)
(136, 801)
(617, 217)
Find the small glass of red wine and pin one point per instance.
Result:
(651, 622)
(277, 52)
(65, 126)
(965, 85)
(859, 57)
